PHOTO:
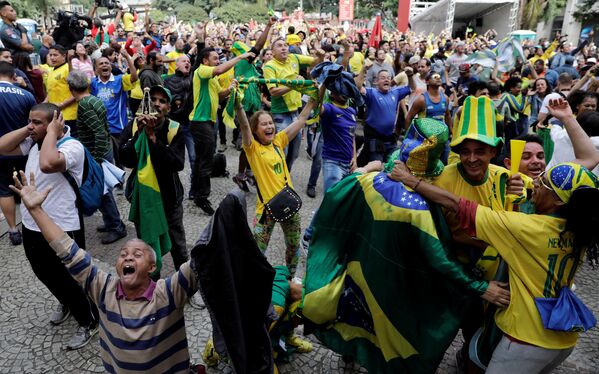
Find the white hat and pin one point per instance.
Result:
(414, 60)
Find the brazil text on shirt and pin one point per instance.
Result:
(14, 90)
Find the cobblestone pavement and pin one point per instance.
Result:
(29, 344)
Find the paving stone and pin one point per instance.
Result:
(28, 343)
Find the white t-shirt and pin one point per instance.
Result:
(60, 203)
(563, 151)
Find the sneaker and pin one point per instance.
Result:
(205, 205)
(15, 237)
(311, 192)
(112, 236)
(241, 180)
(305, 244)
(60, 315)
(82, 337)
(301, 345)
(210, 355)
(222, 147)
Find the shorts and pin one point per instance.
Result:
(7, 167)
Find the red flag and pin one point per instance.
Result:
(377, 33)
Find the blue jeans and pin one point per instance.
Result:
(282, 121)
(191, 152)
(316, 160)
(333, 172)
(379, 150)
(110, 212)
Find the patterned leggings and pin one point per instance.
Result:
(291, 229)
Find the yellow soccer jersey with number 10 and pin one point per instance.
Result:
(269, 167)
(540, 262)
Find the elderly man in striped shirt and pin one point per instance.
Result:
(142, 327)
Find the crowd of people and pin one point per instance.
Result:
(145, 96)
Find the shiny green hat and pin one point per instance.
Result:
(422, 148)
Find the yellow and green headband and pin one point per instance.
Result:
(568, 177)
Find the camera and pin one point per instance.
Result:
(108, 4)
(70, 28)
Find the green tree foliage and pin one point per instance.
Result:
(586, 11)
(238, 11)
(535, 11)
(189, 13)
(158, 15)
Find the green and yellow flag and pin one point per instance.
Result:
(305, 87)
(147, 211)
(380, 284)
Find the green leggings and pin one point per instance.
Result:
(291, 229)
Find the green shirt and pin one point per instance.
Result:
(205, 95)
(252, 101)
(92, 127)
(280, 286)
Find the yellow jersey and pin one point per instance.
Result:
(128, 23)
(269, 167)
(174, 55)
(58, 91)
(205, 94)
(541, 262)
(289, 69)
(356, 62)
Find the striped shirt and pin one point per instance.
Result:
(136, 336)
(92, 127)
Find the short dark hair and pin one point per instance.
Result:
(511, 83)
(2, 49)
(205, 53)
(57, 47)
(494, 88)
(589, 121)
(4, 3)
(47, 108)
(6, 70)
(528, 138)
(109, 50)
(150, 57)
(477, 86)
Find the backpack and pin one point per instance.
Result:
(89, 194)
(219, 168)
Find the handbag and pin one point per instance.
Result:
(285, 203)
(567, 312)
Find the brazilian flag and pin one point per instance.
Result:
(380, 285)
(147, 211)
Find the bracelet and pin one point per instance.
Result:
(417, 184)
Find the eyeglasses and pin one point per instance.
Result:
(542, 181)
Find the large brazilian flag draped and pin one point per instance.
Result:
(380, 285)
(147, 211)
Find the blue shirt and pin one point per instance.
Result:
(382, 108)
(115, 100)
(338, 126)
(15, 104)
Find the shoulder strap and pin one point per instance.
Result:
(284, 175)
